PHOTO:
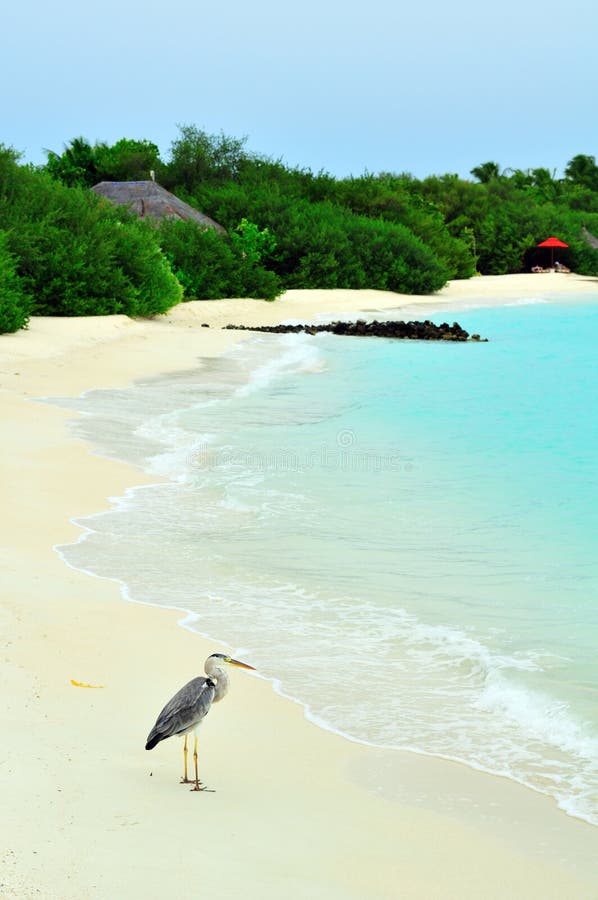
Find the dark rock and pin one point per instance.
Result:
(415, 331)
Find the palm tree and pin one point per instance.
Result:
(486, 172)
(582, 170)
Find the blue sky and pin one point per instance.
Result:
(380, 86)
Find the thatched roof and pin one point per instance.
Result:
(148, 200)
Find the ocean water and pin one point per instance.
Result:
(401, 535)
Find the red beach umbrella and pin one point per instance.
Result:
(552, 242)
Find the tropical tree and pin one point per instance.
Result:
(583, 171)
(197, 156)
(86, 165)
(486, 172)
(128, 160)
(76, 165)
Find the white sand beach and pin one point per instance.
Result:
(296, 811)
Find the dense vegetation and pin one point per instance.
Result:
(64, 251)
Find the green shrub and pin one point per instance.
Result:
(14, 302)
(76, 254)
(322, 245)
(208, 266)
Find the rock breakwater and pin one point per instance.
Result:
(418, 331)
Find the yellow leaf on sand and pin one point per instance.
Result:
(81, 684)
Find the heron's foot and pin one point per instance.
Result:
(187, 781)
(202, 787)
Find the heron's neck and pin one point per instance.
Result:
(220, 679)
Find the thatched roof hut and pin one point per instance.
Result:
(148, 200)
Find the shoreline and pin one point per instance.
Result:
(204, 625)
(297, 808)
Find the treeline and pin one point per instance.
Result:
(390, 231)
(505, 214)
(328, 232)
(64, 251)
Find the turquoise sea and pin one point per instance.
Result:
(401, 535)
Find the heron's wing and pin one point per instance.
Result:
(186, 709)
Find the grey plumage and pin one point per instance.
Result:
(186, 710)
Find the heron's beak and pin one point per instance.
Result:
(241, 665)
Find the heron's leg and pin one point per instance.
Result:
(197, 785)
(185, 780)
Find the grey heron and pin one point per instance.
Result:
(186, 710)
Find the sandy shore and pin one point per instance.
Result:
(297, 812)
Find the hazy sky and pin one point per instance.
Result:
(427, 87)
